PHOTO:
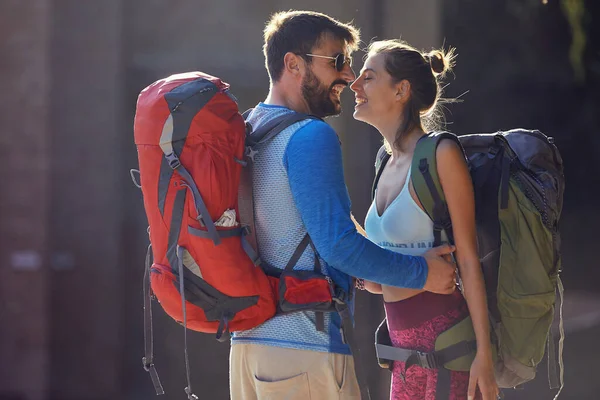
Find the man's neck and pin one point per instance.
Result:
(278, 96)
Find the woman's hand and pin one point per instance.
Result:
(482, 376)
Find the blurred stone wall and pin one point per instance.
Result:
(72, 225)
(24, 200)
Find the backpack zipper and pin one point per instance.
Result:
(206, 89)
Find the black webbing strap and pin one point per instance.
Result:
(348, 332)
(381, 160)
(223, 329)
(317, 265)
(504, 180)
(246, 209)
(222, 234)
(441, 357)
(188, 389)
(248, 249)
(319, 315)
(201, 210)
(297, 253)
(320, 321)
(148, 359)
(175, 228)
(442, 387)
(432, 360)
(239, 231)
(175, 258)
(391, 353)
(164, 180)
(552, 370)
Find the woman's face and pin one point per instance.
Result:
(376, 94)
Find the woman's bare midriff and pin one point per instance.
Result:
(393, 293)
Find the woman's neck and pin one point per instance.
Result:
(407, 143)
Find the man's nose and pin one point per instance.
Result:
(348, 74)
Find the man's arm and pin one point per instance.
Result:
(313, 160)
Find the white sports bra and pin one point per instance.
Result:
(403, 227)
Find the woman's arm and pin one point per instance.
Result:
(458, 190)
(373, 287)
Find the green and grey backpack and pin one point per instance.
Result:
(519, 183)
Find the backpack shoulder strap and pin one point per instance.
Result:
(380, 160)
(247, 113)
(426, 182)
(272, 128)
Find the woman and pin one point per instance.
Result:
(397, 90)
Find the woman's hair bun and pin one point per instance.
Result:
(437, 61)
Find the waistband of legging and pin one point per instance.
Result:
(416, 310)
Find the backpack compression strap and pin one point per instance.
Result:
(185, 102)
(148, 359)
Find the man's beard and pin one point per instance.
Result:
(319, 98)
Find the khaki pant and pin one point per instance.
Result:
(258, 372)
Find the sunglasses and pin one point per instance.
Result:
(340, 60)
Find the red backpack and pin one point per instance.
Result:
(192, 145)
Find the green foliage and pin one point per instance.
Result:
(574, 11)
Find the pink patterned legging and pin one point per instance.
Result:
(415, 323)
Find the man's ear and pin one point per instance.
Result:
(292, 63)
(403, 90)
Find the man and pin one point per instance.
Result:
(299, 188)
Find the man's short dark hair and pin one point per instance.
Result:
(298, 32)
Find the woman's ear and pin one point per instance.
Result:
(291, 63)
(403, 90)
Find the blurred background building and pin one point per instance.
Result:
(72, 225)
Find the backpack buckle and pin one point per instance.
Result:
(250, 153)
(427, 360)
(173, 160)
(147, 365)
(339, 295)
(493, 150)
